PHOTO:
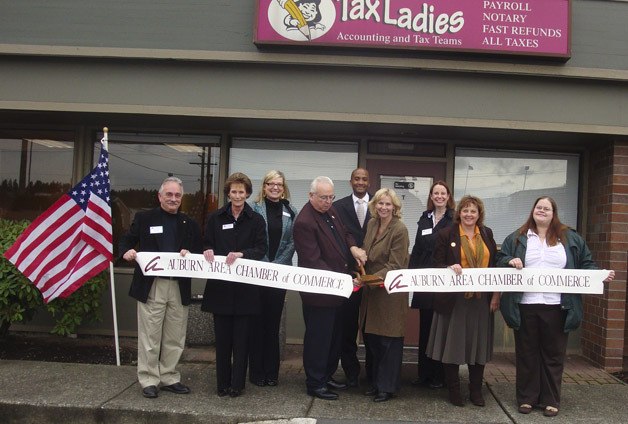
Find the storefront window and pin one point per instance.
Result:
(509, 182)
(138, 163)
(35, 170)
(300, 160)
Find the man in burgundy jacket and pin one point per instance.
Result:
(322, 242)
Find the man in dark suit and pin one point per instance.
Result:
(162, 308)
(354, 213)
(322, 242)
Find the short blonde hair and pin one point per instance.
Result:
(271, 175)
(394, 199)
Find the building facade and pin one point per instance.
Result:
(186, 91)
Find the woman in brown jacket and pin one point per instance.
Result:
(462, 327)
(383, 315)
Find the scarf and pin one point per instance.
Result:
(474, 258)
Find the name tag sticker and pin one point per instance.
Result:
(158, 229)
(227, 226)
(286, 214)
(426, 232)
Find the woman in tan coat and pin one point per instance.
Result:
(383, 315)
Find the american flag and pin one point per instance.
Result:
(71, 241)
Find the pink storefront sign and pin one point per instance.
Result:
(532, 27)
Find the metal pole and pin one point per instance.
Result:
(105, 145)
(467, 178)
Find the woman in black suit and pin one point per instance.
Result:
(439, 215)
(235, 231)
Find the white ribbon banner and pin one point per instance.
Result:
(549, 280)
(247, 271)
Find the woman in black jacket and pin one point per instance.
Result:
(235, 231)
(439, 215)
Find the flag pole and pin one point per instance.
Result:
(105, 141)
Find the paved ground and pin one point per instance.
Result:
(50, 392)
(500, 370)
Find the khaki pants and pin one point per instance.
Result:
(161, 328)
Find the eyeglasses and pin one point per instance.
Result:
(278, 185)
(543, 208)
(326, 198)
(175, 195)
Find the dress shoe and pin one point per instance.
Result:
(550, 411)
(371, 392)
(271, 382)
(260, 383)
(222, 392)
(352, 382)
(436, 384)
(425, 381)
(525, 408)
(383, 397)
(323, 393)
(333, 384)
(178, 388)
(235, 392)
(150, 392)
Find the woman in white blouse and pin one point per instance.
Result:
(542, 321)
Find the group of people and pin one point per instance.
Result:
(363, 232)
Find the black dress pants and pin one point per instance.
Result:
(232, 335)
(321, 344)
(264, 351)
(429, 369)
(387, 354)
(349, 346)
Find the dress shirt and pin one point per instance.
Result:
(540, 255)
(355, 202)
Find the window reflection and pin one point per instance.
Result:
(300, 160)
(509, 182)
(138, 164)
(35, 170)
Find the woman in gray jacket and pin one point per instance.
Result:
(272, 203)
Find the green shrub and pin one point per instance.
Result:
(20, 299)
(82, 305)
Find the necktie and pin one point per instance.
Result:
(361, 212)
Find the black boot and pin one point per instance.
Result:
(452, 379)
(476, 374)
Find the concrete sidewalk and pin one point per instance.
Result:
(49, 392)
